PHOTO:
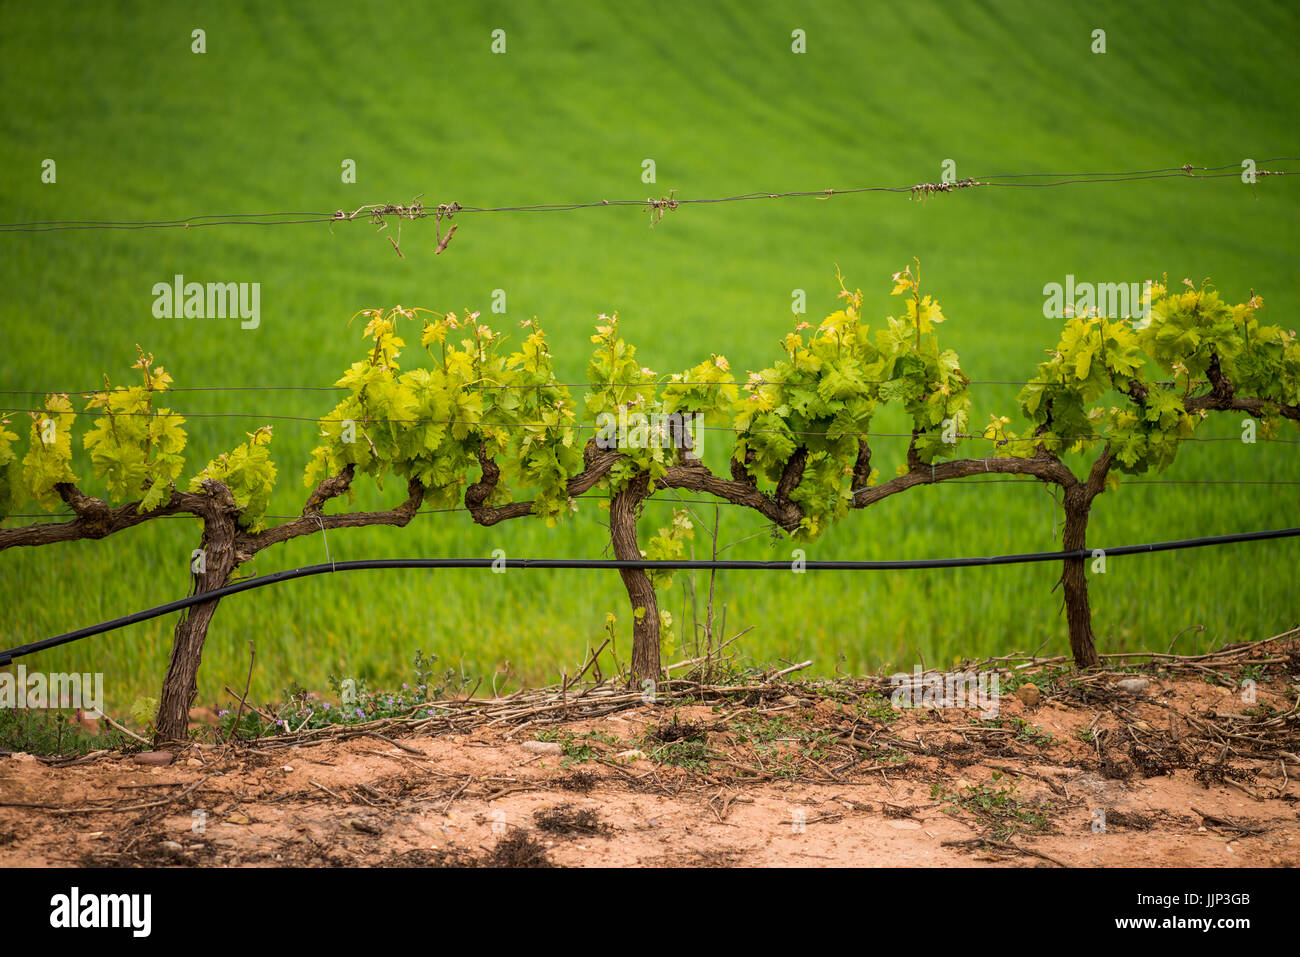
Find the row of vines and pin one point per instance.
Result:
(478, 425)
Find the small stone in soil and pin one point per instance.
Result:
(541, 747)
(1029, 694)
(154, 758)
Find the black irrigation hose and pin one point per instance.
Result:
(6, 657)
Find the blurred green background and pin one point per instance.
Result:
(142, 128)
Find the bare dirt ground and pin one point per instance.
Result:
(1186, 771)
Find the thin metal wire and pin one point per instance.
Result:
(577, 427)
(527, 388)
(375, 212)
(55, 518)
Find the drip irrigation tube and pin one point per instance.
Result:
(6, 657)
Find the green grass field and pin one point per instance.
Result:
(141, 128)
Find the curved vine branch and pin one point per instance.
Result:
(312, 520)
(1044, 466)
(96, 518)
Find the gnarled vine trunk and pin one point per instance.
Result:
(219, 561)
(1074, 580)
(640, 590)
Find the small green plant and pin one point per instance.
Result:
(142, 712)
(997, 808)
(1262, 712)
(303, 710)
(1048, 680)
(451, 683)
(684, 753)
(1032, 734)
(52, 733)
(786, 749)
(578, 748)
(1026, 732)
(877, 708)
(759, 729)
